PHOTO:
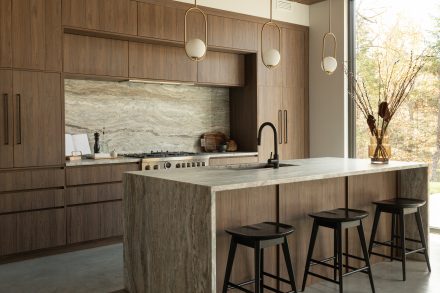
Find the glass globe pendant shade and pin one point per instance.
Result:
(329, 64)
(195, 49)
(271, 57)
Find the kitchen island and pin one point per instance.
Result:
(174, 239)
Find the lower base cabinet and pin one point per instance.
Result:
(34, 230)
(94, 221)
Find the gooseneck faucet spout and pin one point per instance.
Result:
(275, 160)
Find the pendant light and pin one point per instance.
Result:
(271, 57)
(195, 48)
(329, 63)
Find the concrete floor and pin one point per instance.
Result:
(100, 270)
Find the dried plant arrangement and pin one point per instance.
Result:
(396, 82)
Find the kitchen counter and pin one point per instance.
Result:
(174, 239)
(122, 160)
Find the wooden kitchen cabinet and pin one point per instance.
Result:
(36, 34)
(32, 230)
(117, 16)
(232, 33)
(94, 221)
(38, 120)
(6, 120)
(159, 62)
(222, 69)
(5, 33)
(19, 180)
(31, 200)
(294, 124)
(95, 56)
(94, 193)
(96, 174)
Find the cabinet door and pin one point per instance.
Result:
(161, 63)
(96, 56)
(232, 33)
(36, 34)
(269, 110)
(294, 124)
(6, 128)
(221, 69)
(5, 33)
(295, 58)
(38, 123)
(118, 16)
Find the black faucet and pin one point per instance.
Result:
(275, 160)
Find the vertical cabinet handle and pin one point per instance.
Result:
(6, 117)
(280, 126)
(18, 118)
(285, 126)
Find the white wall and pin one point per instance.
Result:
(328, 96)
(299, 15)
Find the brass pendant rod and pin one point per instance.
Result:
(329, 16)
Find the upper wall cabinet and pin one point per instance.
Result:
(222, 69)
(168, 23)
(36, 34)
(232, 33)
(161, 63)
(5, 33)
(294, 62)
(117, 16)
(95, 56)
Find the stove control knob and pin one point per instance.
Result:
(167, 165)
(177, 165)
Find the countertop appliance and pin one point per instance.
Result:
(170, 160)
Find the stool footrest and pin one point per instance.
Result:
(356, 270)
(276, 278)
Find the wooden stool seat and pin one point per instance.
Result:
(340, 215)
(261, 231)
(401, 203)
(260, 236)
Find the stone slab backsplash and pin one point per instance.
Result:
(141, 117)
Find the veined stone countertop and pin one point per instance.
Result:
(224, 178)
(122, 160)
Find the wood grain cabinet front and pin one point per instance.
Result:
(117, 16)
(36, 34)
(5, 33)
(96, 174)
(222, 69)
(19, 180)
(95, 56)
(6, 120)
(31, 200)
(34, 230)
(94, 221)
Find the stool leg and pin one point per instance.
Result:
(262, 269)
(310, 253)
(360, 229)
(402, 242)
(422, 237)
(231, 256)
(340, 264)
(289, 264)
(393, 228)
(257, 252)
(373, 232)
(335, 254)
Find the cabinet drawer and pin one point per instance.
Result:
(96, 56)
(222, 69)
(31, 179)
(32, 230)
(232, 33)
(98, 174)
(233, 160)
(31, 200)
(94, 193)
(94, 221)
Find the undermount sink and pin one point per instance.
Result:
(255, 166)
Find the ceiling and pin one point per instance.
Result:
(309, 2)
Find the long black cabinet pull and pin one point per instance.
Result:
(280, 126)
(285, 126)
(19, 118)
(6, 116)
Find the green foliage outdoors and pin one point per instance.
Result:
(414, 132)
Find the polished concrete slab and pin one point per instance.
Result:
(101, 270)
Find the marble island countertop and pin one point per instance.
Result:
(227, 178)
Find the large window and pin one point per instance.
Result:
(384, 31)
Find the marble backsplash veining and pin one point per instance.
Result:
(141, 117)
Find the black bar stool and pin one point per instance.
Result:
(338, 220)
(259, 237)
(399, 208)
